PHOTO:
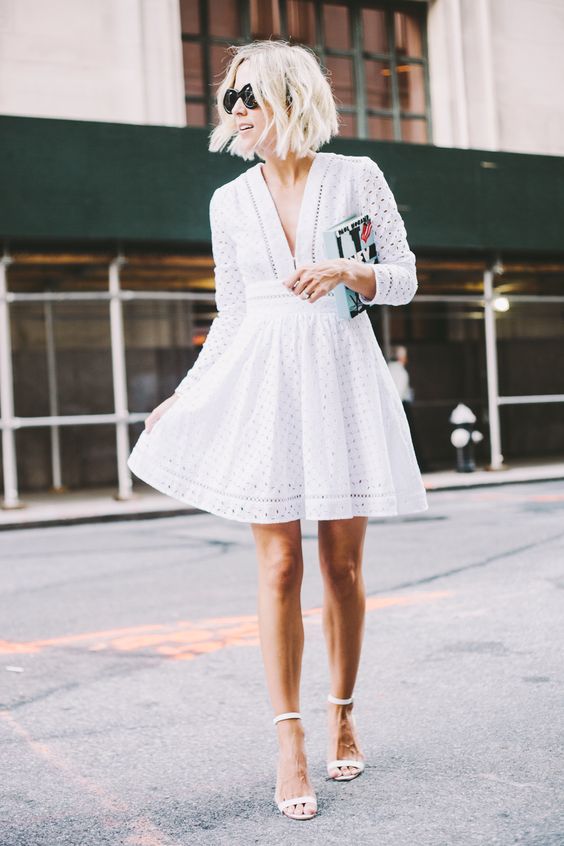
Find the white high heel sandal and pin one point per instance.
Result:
(344, 762)
(298, 800)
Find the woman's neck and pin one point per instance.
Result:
(288, 172)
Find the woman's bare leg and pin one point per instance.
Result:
(341, 544)
(280, 574)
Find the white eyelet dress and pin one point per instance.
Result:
(290, 412)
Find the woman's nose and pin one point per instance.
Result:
(239, 107)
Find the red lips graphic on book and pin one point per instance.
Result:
(366, 230)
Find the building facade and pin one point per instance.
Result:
(106, 278)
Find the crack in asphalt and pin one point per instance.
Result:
(491, 559)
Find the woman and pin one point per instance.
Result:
(290, 412)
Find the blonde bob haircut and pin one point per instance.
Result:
(294, 92)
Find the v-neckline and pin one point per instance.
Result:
(303, 206)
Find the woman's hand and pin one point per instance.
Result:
(318, 279)
(158, 412)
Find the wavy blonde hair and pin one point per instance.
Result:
(288, 82)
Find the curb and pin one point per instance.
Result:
(150, 513)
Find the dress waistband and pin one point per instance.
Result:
(270, 296)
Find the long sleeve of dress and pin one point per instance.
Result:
(396, 278)
(229, 296)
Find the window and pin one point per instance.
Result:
(375, 52)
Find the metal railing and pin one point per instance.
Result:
(121, 417)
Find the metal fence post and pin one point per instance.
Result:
(119, 380)
(496, 458)
(11, 498)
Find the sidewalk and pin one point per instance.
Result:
(84, 506)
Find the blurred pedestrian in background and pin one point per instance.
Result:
(397, 367)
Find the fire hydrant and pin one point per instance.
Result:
(463, 437)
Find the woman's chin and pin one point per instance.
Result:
(246, 144)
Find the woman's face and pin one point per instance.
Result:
(257, 117)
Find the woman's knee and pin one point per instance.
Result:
(281, 571)
(279, 556)
(341, 545)
(341, 572)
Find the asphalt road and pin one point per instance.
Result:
(133, 708)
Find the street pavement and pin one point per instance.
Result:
(133, 706)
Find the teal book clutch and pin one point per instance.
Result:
(352, 238)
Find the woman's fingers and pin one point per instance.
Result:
(150, 421)
(155, 415)
(315, 279)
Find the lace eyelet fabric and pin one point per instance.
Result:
(290, 412)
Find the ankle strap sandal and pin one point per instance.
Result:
(296, 800)
(344, 762)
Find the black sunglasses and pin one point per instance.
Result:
(246, 94)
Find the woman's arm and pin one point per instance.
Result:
(395, 273)
(229, 296)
